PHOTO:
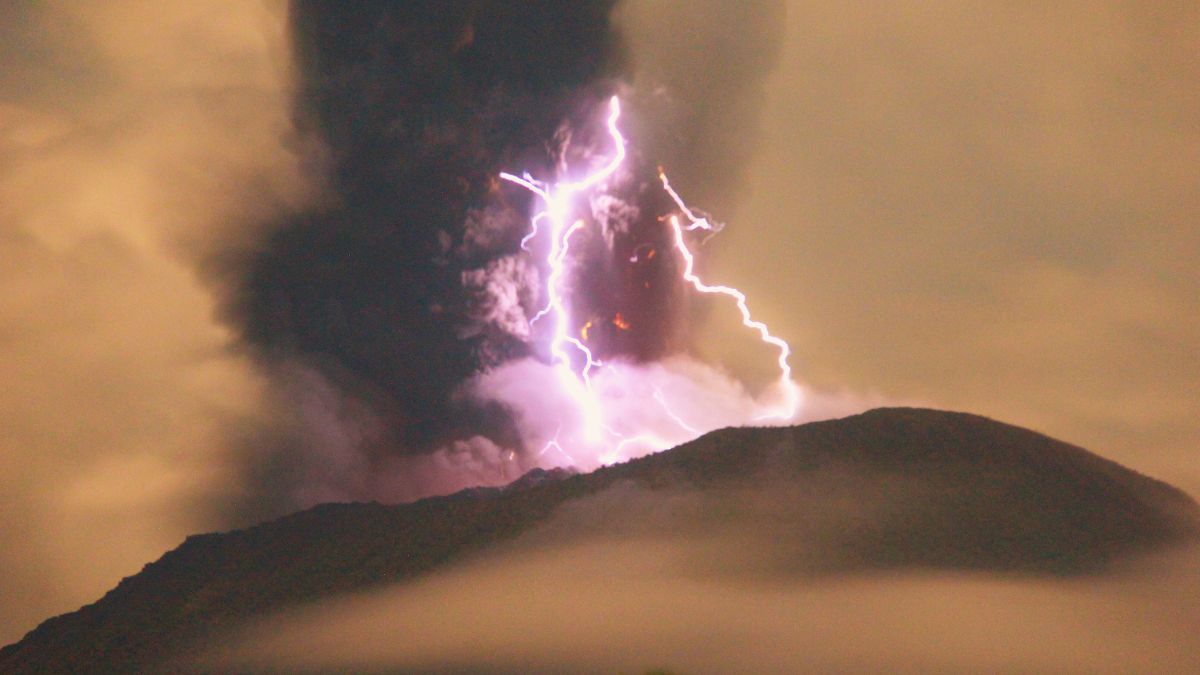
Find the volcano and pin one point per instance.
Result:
(891, 489)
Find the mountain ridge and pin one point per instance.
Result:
(994, 497)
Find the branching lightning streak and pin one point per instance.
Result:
(658, 396)
(556, 217)
(647, 439)
(695, 222)
(791, 391)
(558, 199)
(553, 444)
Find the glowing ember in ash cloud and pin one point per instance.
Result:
(595, 426)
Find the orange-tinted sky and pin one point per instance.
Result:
(979, 206)
(990, 207)
(131, 135)
(996, 207)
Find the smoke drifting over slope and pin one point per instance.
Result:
(564, 609)
(896, 548)
(763, 537)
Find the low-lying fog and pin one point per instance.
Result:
(629, 581)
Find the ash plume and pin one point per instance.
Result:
(418, 106)
(385, 316)
(256, 257)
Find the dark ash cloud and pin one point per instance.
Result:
(373, 311)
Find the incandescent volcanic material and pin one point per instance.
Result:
(941, 490)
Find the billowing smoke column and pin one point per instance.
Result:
(422, 327)
(418, 105)
(592, 429)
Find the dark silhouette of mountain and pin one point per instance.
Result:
(947, 490)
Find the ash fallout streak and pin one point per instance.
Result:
(576, 381)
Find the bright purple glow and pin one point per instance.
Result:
(596, 423)
(558, 199)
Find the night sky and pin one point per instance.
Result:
(233, 235)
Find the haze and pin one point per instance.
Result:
(977, 206)
(698, 583)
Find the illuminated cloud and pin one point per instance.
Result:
(133, 136)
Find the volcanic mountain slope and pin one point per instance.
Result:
(887, 489)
